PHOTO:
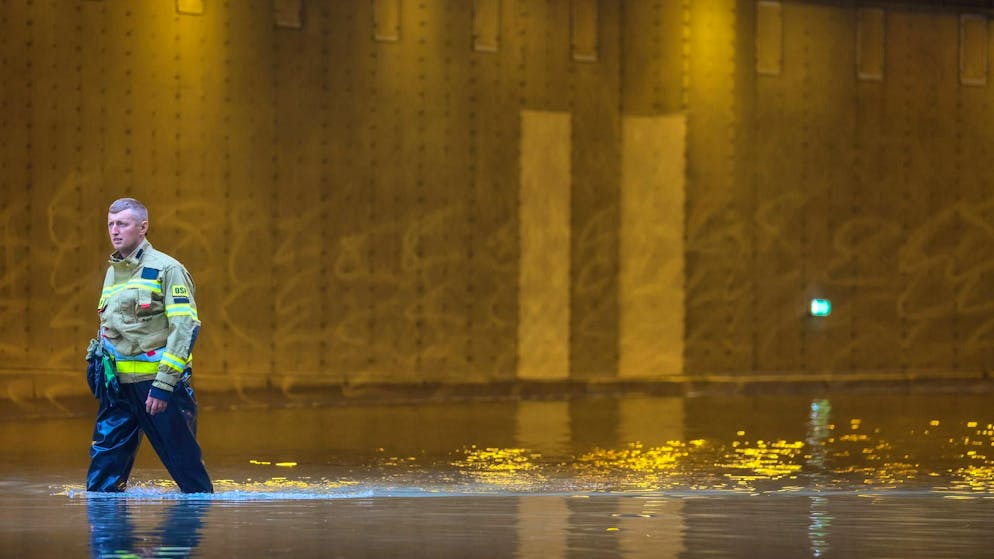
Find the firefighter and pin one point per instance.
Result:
(140, 365)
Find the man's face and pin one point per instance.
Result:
(126, 232)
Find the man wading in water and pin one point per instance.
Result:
(139, 367)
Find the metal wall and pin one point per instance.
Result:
(846, 158)
(349, 185)
(344, 188)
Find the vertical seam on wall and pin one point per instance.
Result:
(128, 120)
(657, 69)
(810, 195)
(472, 222)
(397, 154)
(371, 203)
(619, 153)
(446, 201)
(102, 126)
(325, 278)
(573, 143)
(684, 105)
(274, 74)
(858, 158)
(516, 230)
(226, 170)
(751, 218)
(421, 195)
(28, 176)
(178, 98)
(201, 122)
(958, 220)
(350, 132)
(905, 201)
(732, 268)
(5, 73)
(77, 154)
(153, 148)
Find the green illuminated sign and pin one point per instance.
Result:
(821, 307)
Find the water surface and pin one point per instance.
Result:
(847, 475)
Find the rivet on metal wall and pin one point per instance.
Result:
(288, 14)
(386, 20)
(190, 7)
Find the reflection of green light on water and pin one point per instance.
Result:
(818, 528)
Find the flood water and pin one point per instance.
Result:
(840, 475)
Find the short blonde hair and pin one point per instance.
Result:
(135, 206)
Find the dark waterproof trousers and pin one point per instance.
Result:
(122, 419)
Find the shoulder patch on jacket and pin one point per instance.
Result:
(180, 291)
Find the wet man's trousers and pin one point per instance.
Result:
(121, 421)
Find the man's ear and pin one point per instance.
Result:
(144, 227)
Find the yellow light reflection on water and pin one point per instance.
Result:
(514, 468)
(932, 454)
(862, 456)
(283, 483)
(763, 460)
(636, 458)
(635, 466)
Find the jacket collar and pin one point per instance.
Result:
(135, 257)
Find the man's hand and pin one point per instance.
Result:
(155, 405)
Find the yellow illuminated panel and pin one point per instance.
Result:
(870, 44)
(769, 38)
(544, 228)
(973, 49)
(190, 7)
(386, 20)
(651, 279)
(584, 30)
(486, 25)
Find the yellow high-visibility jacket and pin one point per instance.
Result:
(148, 318)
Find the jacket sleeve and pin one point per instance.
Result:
(107, 290)
(181, 314)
